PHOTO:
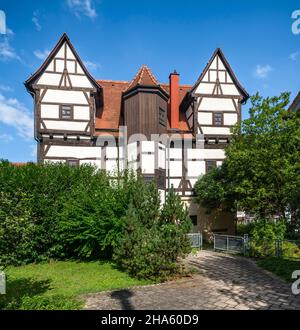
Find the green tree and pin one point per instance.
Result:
(261, 172)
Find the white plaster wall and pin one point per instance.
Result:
(82, 112)
(230, 90)
(195, 168)
(49, 111)
(214, 63)
(148, 164)
(70, 54)
(111, 152)
(50, 66)
(162, 158)
(65, 97)
(214, 154)
(60, 64)
(175, 168)
(71, 66)
(147, 146)
(230, 119)
(205, 88)
(216, 130)
(51, 79)
(74, 152)
(216, 104)
(61, 52)
(195, 153)
(80, 81)
(65, 125)
(111, 166)
(132, 152)
(174, 182)
(175, 153)
(205, 118)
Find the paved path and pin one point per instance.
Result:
(221, 282)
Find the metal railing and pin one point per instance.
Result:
(228, 243)
(196, 240)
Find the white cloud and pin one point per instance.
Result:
(7, 52)
(15, 114)
(294, 56)
(5, 88)
(262, 71)
(33, 152)
(91, 65)
(82, 7)
(41, 55)
(36, 20)
(6, 138)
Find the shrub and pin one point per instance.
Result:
(58, 211)
(264, 235)
(290, 250)
(150, 246)
(17, 229)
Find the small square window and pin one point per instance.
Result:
(66, 112)
(218, 119)
(210, 164)
(72, 162)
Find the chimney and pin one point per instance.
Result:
(174, 100)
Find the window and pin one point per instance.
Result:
(162, 117)
(66, 112)
(72, 162)
(218, 118)
(210, 164)
(148, 178)
(194, 219)
(161, 178)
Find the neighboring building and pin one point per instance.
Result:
(77, 119)
(295, 106)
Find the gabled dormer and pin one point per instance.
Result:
(65, 94)
(145, 105)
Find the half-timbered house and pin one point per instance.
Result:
(169, 132)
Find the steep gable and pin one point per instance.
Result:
(63, 68)
(218, 78)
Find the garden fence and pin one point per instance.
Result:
(264, 248)
(228, 243)
(196, 240)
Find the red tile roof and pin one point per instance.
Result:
(109, 118)
(19, 164)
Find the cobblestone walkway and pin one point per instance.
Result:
(221, 282)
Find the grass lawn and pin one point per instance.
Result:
(281, 267)
(57, 285)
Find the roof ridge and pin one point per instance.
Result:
(113, 81)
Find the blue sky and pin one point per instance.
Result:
(115, 37)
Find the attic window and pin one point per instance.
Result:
(66, 112)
